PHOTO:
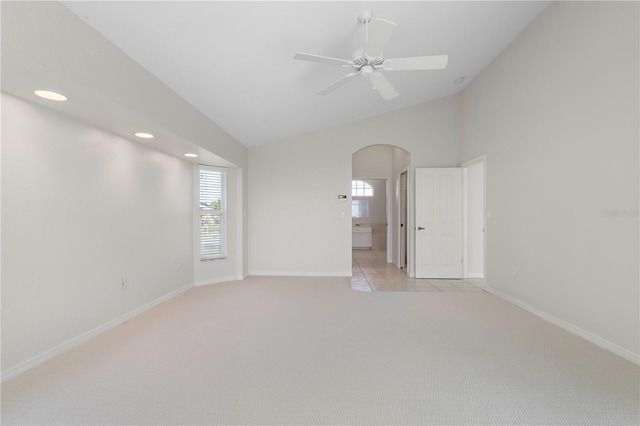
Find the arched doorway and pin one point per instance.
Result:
(385, 170)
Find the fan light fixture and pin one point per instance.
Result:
(191, 155)
(52, 96)
(366, 71)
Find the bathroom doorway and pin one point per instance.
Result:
(389, 237)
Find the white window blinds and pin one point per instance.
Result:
(212, 213)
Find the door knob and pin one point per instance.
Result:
(420, 228)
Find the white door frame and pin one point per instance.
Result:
(465, 165)
(403, 248)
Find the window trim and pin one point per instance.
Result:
(222, 211)
(363, 188)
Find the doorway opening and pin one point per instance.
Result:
(369, 205)
(385, 168)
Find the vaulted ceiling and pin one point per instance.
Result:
(233, 61)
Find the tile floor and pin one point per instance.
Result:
(371, 272)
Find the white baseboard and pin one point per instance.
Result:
(299, 274)
(218, 280)
(586, 335)
(23, 366)
(470, 275)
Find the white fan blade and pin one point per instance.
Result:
(338, 83)
(437, 62)
(383, 86)
(379, 34)
(321, 59)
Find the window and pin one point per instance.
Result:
(212, 213)
(360, 188)
(359, 208)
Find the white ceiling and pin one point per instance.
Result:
(233, 61)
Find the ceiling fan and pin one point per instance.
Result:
(368, 62)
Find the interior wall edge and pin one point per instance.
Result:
(571, 328)
(85, 337)
(299, 274)
(219, 280)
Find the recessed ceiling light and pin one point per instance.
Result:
(143, 135)
(52, 96)
(459, 80)
(191, 155)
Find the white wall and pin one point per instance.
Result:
(474, 220)
(85, 65)
(82, 208)
(88, 67)
(557, 116)
(297, 224)
(373, 162)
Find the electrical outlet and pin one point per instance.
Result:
(179, 263)
(514, 271)
(125, 281)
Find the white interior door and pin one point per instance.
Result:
(438, 233)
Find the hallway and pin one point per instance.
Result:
(371, 272)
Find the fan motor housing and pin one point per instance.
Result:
(360, 60)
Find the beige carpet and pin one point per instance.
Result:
(312, 351)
